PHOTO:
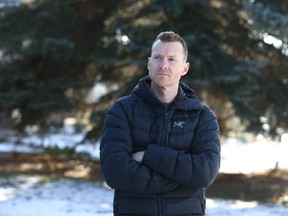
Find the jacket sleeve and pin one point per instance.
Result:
(119, 169)
(196, 169)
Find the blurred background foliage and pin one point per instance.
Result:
(73, 58)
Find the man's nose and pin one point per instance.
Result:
(164, 64)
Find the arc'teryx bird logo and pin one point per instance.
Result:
(179, 124)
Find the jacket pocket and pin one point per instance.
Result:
(129, 203)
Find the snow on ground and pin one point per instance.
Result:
(237, 156)
(27, 196)
(258, 156)
(31, 196)
(35, 144)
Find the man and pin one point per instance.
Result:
(160, 145)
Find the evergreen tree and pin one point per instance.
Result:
(53, 51)
(46, 46)
(228, 64)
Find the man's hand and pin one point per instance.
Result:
(138, 156)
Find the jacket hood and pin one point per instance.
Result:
(186, 98)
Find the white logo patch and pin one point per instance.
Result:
(179, 124)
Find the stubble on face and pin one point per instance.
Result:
(166, 64)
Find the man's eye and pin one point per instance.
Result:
(171, 59)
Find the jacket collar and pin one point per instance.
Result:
(186, 98)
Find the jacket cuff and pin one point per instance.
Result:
(152, 156)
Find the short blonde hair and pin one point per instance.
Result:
(170, 36)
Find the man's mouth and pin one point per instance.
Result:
(163, 74)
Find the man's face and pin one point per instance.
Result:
(167, 63)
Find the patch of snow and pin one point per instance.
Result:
(34, 196)
(259, 156)
(237, 156)
(90, 149)
(67, 197)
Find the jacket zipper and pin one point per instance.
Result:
(159, 205)
(167, 126)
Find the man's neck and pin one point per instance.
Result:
(164, 94)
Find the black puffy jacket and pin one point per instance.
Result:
(182, 153)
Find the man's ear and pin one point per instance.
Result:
(148, 63)
(185, 68)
